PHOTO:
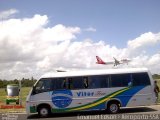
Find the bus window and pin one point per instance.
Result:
(140, 79)
(70, 83)
(63, 83)
(43, 85)
(120, 80)
(59, 83)
(76, 83)
(85, 82)
(99, 81)
(93, 82)
(104, 81)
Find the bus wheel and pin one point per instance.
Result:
(113, 108)
(44, 111)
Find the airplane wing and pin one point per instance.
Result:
(125, 60)
(116, 62)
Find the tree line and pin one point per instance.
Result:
(156, 76)
(24, 82)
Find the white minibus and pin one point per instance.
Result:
(88, 90)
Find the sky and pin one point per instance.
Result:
(37, 36)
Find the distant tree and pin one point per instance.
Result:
(24, 82)
(156, 76)
(15, 81)
(1, 84)
(32, 78)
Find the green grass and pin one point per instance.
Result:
(3, 95)
(25, 91)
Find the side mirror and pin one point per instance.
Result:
(33, 90)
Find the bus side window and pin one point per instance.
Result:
(140, 79)
(47, 85)
(60, 83)
(70, 83)
(64, 83)
(94, 82)
(130, 81)
(99, 81)
(76, 83)
(120, 80)
(85, 81)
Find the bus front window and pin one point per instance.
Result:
(42, 86)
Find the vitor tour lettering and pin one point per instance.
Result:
(81, 94)
(84, 93)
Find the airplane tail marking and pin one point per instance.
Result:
(99, 60)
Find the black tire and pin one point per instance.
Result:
(44, 111)
(113, 107)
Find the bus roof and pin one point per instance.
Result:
(93, 72)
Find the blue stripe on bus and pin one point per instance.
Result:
(127, 95)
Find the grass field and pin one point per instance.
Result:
(25, 91)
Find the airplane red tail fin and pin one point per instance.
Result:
(99, 60)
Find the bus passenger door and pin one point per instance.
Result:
(61, 95)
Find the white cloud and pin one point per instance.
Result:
(90, 29)
(45, 63)
(59, 33)
(154, 60)
(29, 48)
(7, 13)
(28, 41)
(146, 39)
(142, 44)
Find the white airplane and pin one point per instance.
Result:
(115, 62)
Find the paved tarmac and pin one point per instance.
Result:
(146, 113)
